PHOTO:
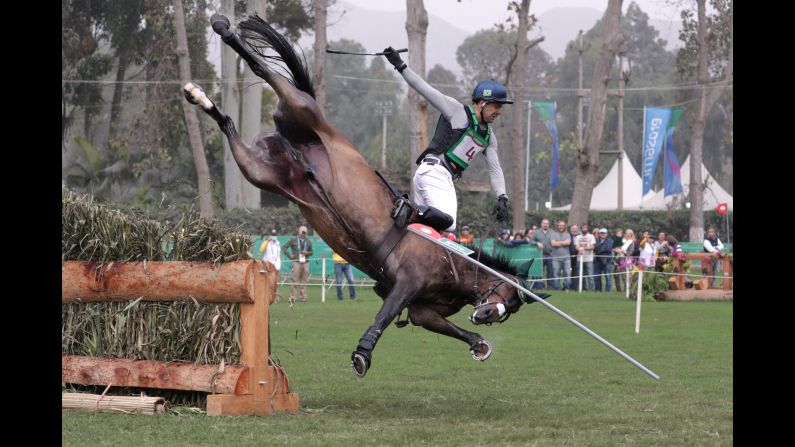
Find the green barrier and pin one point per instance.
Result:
(695, 247)
(518, 255)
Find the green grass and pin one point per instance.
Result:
(547, 382)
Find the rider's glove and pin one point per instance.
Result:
(394, 58)
(500, 211)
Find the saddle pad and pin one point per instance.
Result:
(437, 238)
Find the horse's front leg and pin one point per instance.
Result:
(432, 320)
(395, 301)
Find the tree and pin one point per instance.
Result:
(588, 156)
(191, 120)
(709, 49)
(320, 52)
(417, 31)
(517, 83)
(81, 61)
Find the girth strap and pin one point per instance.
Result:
(391, 240)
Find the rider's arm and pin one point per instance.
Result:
(495, 171)
(445, 104)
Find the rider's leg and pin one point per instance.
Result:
(433, 186)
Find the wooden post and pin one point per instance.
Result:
(264, 378)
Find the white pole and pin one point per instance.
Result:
(626, 283)
(637, 309)
(581, 258)
(323, 280)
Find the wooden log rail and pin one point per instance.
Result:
(706, 263)
(256, 386)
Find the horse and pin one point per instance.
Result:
(311, 163)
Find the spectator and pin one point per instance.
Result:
(541, 237)
(271, 251)
(713, 245)
(663, 250)
(585, 244)
(528, 235)
(299, 249)
(505, 237)
(466, 236)
(603, 249)
(647, 252)
(574, 231)
(342, 267)
(624, 259)
(518, 239)
(618, 242)
(561, 257)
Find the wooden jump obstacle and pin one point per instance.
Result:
(256, 386)
(701, 290)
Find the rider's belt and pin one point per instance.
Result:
(456, 173)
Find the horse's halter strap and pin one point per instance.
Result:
(492, 290)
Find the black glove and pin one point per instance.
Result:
(394, 58)
(500, 211)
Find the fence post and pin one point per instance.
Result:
(323, 280)
(640, 295)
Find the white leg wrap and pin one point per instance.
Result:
(198, 96)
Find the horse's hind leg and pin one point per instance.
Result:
(431, 320)
(395, 301)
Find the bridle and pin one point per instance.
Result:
(484, 299)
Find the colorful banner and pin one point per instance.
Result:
(655, 125)
(673, 178)
(546, 111)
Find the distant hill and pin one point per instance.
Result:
(376, 30)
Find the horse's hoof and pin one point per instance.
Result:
(481, 350)
(195, 95)
(219, 23)
(360, 364)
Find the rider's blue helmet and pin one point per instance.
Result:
(491, 91)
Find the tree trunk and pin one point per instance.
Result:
(230, 97)
(251, 113)
(519, 116)
(699, 121)
(191, 120)
(588, 156)
(321, 9)
(118, 88)
(417, 31)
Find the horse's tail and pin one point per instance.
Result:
(260, 36)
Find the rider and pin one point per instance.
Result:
(461, 133)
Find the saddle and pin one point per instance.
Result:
(405, 213)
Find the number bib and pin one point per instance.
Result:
(469, 145)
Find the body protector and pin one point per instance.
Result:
(459, 146)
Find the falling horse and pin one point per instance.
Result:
(315, 166)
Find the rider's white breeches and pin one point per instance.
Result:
(433, 186)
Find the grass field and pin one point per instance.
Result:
(547, 382)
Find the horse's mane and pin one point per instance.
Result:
(498, 262)
(260, 36)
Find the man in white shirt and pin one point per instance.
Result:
(713, 245)
(585, 243)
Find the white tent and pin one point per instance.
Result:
(605, 194)
(713, 193)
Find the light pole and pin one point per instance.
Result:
(383, 108)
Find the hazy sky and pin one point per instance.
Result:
(484, 13)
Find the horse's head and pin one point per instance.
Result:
(497, 299)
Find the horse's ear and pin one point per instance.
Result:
(524, 269)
